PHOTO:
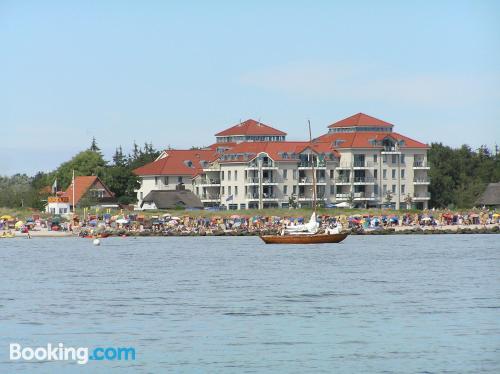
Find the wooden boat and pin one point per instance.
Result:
(309, 235)
(304, 238)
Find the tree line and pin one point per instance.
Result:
(458, 175)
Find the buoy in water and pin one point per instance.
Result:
(97, 242)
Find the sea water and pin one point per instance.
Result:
(372, 304)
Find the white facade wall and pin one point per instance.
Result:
(235, 185)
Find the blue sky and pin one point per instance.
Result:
(175, 74)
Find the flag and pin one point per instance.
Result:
(54, 186)
(229, 198)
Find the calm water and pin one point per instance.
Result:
(401, 304)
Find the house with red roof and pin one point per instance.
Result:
(360, 161)
(250, 131)
(83, 190)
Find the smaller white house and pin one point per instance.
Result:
(58, 205)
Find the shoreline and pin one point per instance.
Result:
(398, 230)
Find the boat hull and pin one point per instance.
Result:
(303, 239)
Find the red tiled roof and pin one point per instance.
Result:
(360, 119)
(275, 150)
(362, 139)
(176, 162)
(82, 185)
(250, 127)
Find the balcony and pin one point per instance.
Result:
(364, 181)
(211, 168)
(208, 183)
(265, 166)
(362, 164)
(362, 196)
(392, 150)
(421, 196)
(309, 181)
(421, 165)
(309, 165)
(342, 196)
(209, 198)
(342, 181)
(265, 181)
(304, 197)
(265, 197)
(421, 181)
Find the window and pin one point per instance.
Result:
(331, 174)
(375, 173)
(229, 190)
(394, 159)
(384, 159)
(393, 173)
(375, 189)
(294, 190)
(222, 175)
(384, 189)
(229, 176)
(332, 190)
(285, 173)
(165, 180)
(285, 189)
(374, 159)
(402, 173)
(243, 206)
(156, 181)
(223, 190)
(236, 175)
(142, 195)
(402, 188)
(179, 180)
(402, 159)
(235, 190)
(384, 173)
(295, 174)
(393, 188)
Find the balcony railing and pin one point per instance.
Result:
(209, 181)
(255, 196)
(310, 180)
(255, 180)
(267, 164)
(319, 164)
(422, 195)
(342, 180)
(421, 164)
(364, 180)
(421, 180)
(210, 197)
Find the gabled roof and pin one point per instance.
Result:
(363, 139)
(276, 150)
(178, 162)
(360, 120)
(82, 185)
(251, 127)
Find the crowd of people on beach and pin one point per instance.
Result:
(199, 225)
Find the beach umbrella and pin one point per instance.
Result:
(426, 219)
(7, 218)
(19, 224)
(235, 216)
(175, 218)
(122, 220)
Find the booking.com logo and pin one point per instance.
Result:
(78, 354)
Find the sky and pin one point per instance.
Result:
(174, 74)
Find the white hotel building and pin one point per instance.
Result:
(361, 160)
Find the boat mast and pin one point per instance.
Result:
(313, 169)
